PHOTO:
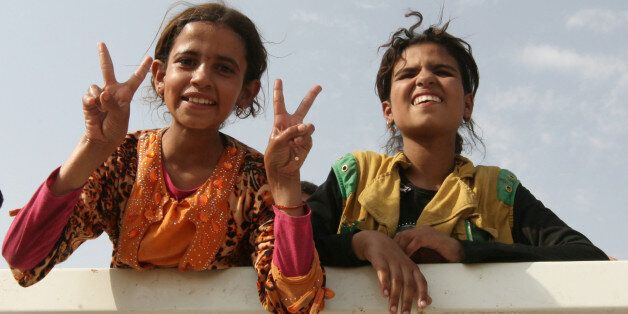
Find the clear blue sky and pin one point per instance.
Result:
(551, 105)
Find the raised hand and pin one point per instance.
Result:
(426, 237)
(399, 277)
(288, 146)
(107, 109)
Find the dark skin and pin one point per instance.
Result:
(106, 112)
(288, 146)
(427, 104)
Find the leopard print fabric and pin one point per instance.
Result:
(249, 240)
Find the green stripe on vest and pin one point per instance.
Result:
(346, 171)
(507, 185)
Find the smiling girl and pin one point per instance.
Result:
(424, 202)
(186, 196)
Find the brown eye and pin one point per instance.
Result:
(225, 69)
(404, 75)
(186, 62)
(443, 73)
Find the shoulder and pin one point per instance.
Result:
(502, 181)
(252, 157)
(128, 148)
(140, 134)
(350, 167)
(131, 140)
(252, 168)
(360, 158)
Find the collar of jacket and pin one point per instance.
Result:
(454, 198)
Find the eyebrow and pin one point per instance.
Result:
(436, 66)
(194, 53)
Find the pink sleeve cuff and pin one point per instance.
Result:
(38, 225)
(294, 243)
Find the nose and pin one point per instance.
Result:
(202, 77)
(425, 78)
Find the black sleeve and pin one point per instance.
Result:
(326, 205)
(538, 234)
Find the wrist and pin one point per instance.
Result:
(357, 244)
(286, 194)
(453, 250)
(96, 146)
(459, 251)
(294, 211)
(87, 156)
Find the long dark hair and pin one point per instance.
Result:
(220, 14)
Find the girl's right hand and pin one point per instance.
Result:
(107, 109)
(288, 146)
(399, 277)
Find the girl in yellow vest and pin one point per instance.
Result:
(187, 196)
(424, 202)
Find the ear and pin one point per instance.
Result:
(387, 112)
(158, 70)
(248, 93)
(468, 107)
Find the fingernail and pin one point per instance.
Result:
(301, 127)
(422, 304)
(393, 309)
(386, 292)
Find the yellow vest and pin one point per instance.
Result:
(470, 197)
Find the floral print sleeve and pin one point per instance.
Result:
(98, 209)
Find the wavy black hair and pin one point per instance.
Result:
(456, 47)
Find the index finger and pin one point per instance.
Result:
(279, 104)
(138, 76)
(307, 101)
(106, 65)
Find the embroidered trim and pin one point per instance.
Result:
(149, 200)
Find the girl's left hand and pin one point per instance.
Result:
(288, 146)
(427, 237)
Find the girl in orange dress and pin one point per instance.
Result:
(186, 196)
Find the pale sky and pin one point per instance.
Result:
(551, 106)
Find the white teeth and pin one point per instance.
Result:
(202, 101)
(424, 98)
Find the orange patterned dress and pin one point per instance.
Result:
(227, 221)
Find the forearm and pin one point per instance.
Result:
(477, 252)
(278, 291)
(294, 244)
(538, 235)
(86, 157)
(38, 225)
(336, 250)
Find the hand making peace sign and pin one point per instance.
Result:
(289, 144)
(107, 109)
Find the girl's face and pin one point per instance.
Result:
(203, 80)
(427, 99)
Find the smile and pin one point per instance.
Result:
(199, 101)
(425, 98)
